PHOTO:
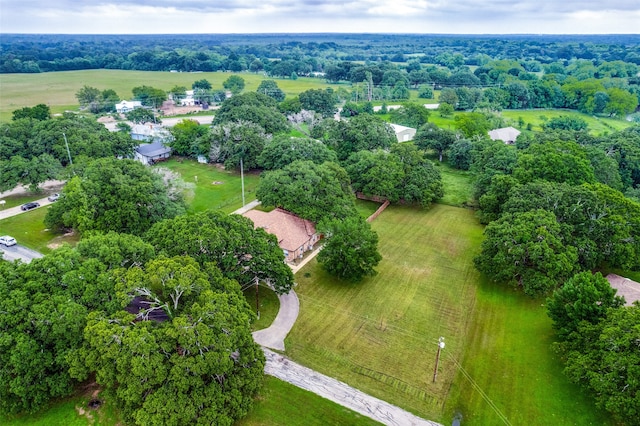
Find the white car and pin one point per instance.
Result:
(7, 240)
(53, 197)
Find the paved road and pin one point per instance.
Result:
(273, 336)
(18, 252)
(339, 392)
(5, 213)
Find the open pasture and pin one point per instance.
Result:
(381, 335)
(58, 89)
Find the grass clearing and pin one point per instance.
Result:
(458, 185)
(597, 125)
(269, 306)
(28, 228)
(381, 335)
(215, 188)
(509, 357)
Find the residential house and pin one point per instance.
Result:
(188, 100)
(507, 135)
(625, 287)
(124, 107)
(295, 235)
(150, 132)
(150, 153)
(403, 133)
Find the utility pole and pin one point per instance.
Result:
(68, 152)
(440, 347)
(242, 180)
(257, 299)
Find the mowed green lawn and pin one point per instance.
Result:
(510, 374)
(214, 187)
(58, 89)
(381, 335)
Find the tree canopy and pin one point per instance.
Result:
(254, 107)
(312, 191)
(241, 252)
(284, 149)
(114, 195)
(351, 251)
(233, 141)
(198, 366)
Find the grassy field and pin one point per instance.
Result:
(281, 404)
(457, 185)
(597, 125)
(58, 89)
(509, 374)
(269, 306)
(215, 188)
(28, 228)
(381, 335)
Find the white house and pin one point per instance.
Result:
(188, 100)
(403, 133)
(149, 153)
(507, 135)
(125, 106)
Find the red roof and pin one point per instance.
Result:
(292, 231)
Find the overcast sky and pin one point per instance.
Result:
(276, 16)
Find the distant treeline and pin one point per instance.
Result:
(303, 53)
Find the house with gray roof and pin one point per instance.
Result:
(150, 153)
(507, 135)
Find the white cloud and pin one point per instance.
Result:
(250, 16)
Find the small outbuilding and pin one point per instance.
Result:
(507, 135)
(295, 235)
(403, 133)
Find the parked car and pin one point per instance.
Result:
(53, 197)
(7, 240)
(29, 206)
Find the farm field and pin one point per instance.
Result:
(381, 335)
(58, 89)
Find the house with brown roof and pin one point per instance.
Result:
(625, 287)
(295, 235)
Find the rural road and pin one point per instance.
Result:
(339, 392)
(18, 252)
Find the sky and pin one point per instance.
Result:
(315, 16)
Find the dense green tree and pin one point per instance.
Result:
(430, 136)
(321, 101)
(254, 107)
(472, 124)
(149, 96)
(566, 122)
(351, 251)
(235, 141)
(620, 102)
(271, 89)
(284, 149)
(604, 358)
(312, 191)
(234, 83)
(584, 297)
(188, 137)
(141, 116)
(554, 161)
(362, 132)
(527, 249)
(114, 195)
(459, 155)
(490, 158)
(38, 112)
(199, 366)
(410, 115)
(242, 253)
(201, 84)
